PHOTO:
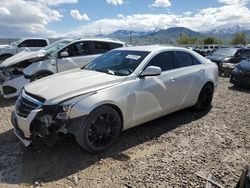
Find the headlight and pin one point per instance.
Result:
(66, 105)
(225, 60)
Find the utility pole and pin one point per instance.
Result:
(131, 37)
(100, 31)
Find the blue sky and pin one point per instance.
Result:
(98, 9)
(54, 18)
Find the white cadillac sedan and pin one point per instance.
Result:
(119, 90)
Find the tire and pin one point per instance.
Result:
(205, 98)
(4, 57)
(101, 128)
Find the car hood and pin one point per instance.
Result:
(57, 88)
(215, 57)
(4, 46)
(244, 66)
(22, 56)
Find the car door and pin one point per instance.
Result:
(78, 55)
(156, 95)
(188, 77)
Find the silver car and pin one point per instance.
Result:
(119, 90)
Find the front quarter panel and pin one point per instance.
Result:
(39, 66)
(117, 95)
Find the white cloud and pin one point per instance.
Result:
(4, 11)
(203, 20)
(56, 2)
(115, 2)
(20, 18)
(233, 2)
(28, 18)
(188, 13)
(161, 3)
(121, 16)
(76, 15)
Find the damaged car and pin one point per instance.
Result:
(222, 57)
(241, 74)
(121, 89)
(26, 44)
(66, 54)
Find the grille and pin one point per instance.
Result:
(26, 104)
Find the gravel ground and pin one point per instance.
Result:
(168, 152)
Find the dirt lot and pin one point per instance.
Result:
(167, 152)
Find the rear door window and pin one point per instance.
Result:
(100, 47)
(183, 59)
(195, 61)
(78, 49)
(115, 45)
(163, 60)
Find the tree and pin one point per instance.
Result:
(185, 39)
(211, 40)
(239, 38)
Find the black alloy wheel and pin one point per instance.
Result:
(205, 97)
(101, 129)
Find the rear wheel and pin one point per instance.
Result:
(205, 98)
(101, 129)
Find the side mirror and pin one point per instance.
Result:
(64, 54)
(151, 71)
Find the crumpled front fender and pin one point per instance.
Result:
(39, 67)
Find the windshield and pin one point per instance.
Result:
(15, 43)
(117, 62)
(227, 52)
(55, 46)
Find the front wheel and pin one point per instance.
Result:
(101, 129)
(205, 98)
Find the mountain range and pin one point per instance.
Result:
(170, 35)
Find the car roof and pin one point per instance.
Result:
(100, 40)
(151, 48)
(34, 38)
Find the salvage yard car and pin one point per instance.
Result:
(241, 74)
(228, 66)
(60, 56)
(119, 90)
(28, 44)
(222, 57)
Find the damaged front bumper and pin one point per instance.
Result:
(41, 122)
(227, 68)
(22, 126)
